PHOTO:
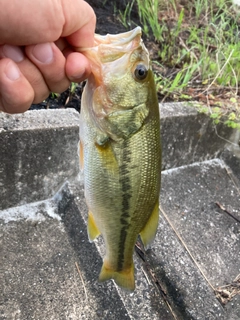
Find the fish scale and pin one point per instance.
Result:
(121, 151)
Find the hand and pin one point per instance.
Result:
(37, 42)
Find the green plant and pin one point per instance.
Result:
(199, 44)
(55, 95)
(73, 87)
(148, 14)
(125, 17)
(221, 115)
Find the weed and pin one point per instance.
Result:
(148, 14)
(73, 87)
(55, 95)
(125, 16)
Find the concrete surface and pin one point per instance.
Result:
(189, 198)
(49, 269)
(189, 136)
(41, 281)
(38, 148)
(36, 152)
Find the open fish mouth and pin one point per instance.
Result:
(110, 47)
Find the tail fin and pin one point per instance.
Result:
(124, 278)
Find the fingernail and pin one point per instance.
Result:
(77, 77)
(43, 52)
(12, 71)
(13, 52)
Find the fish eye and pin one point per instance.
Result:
(140, 72)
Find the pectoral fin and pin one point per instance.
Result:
(92, 228)
(149, 231)
(108, 159)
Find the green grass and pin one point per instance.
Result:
(199, 51)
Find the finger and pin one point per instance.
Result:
(74, 19)
(28, 70)
(77, 67)
(51, 63)
(27, 23)
(16, 93)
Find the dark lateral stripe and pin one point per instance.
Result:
(126, 189)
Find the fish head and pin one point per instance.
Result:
(121, 77)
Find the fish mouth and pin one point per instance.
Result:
(120, 39)
(111, 47)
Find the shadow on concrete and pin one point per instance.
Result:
(105, 295)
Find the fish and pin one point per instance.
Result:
(120, 150)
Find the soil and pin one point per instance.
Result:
(107, 22)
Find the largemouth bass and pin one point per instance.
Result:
(120, 151)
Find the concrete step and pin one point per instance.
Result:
(39, 148)
(50, 269)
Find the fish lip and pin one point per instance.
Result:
(115, 39)
(111, 40)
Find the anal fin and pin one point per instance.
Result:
(149, 231)
(92, 228)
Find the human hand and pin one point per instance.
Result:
(37, 41)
